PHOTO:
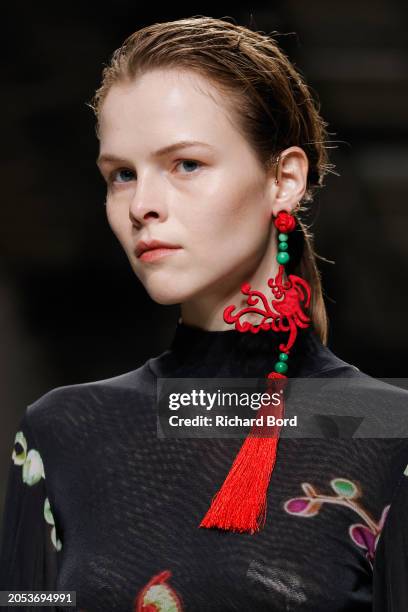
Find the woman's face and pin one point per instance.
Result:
(213, 200)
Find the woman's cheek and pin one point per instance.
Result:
(115, 216)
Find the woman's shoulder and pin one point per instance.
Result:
(322, 361)
(369, 407)
(341, 388)
(84, 397)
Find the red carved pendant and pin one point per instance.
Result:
(290, 299)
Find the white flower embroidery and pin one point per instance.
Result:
(33, 468)
(49, 517)
(19, 456)
(32, 472)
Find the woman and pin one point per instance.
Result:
(209, 143)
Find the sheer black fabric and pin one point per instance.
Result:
(97, 503)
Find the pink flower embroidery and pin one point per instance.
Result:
(365, 535)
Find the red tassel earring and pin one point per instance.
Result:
(240, 504)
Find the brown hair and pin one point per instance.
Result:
(267, 96)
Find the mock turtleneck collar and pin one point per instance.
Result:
(197, 352)
(190, 342)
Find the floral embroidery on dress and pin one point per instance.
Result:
(158, 596)
(365, 535)
(32, 472)
(49, 517)
(33, 467)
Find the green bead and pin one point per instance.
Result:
(283, 237)
(283, 257)
(283, 246)
(281, 367)
(283, 356)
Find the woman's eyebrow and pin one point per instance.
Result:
(182, 144)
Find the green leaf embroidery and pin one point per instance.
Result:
(344, 487)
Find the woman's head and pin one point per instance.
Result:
(232, 89)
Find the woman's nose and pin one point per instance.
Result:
(141, 214)
(147, 203)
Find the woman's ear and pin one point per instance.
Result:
(289, 179)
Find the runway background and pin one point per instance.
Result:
(71, 308)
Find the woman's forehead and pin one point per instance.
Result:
(164, 108)
(170, 88)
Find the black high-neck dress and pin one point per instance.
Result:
(99, 504)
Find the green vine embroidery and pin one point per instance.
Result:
(32, 472)
(365, 535)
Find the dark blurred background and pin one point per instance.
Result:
(71, 308)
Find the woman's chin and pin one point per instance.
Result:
(168, 295)
(166, 298)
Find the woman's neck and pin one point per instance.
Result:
(206, 310)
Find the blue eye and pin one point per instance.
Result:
(125, 175)
(190, 161)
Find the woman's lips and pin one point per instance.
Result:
(158, 253)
